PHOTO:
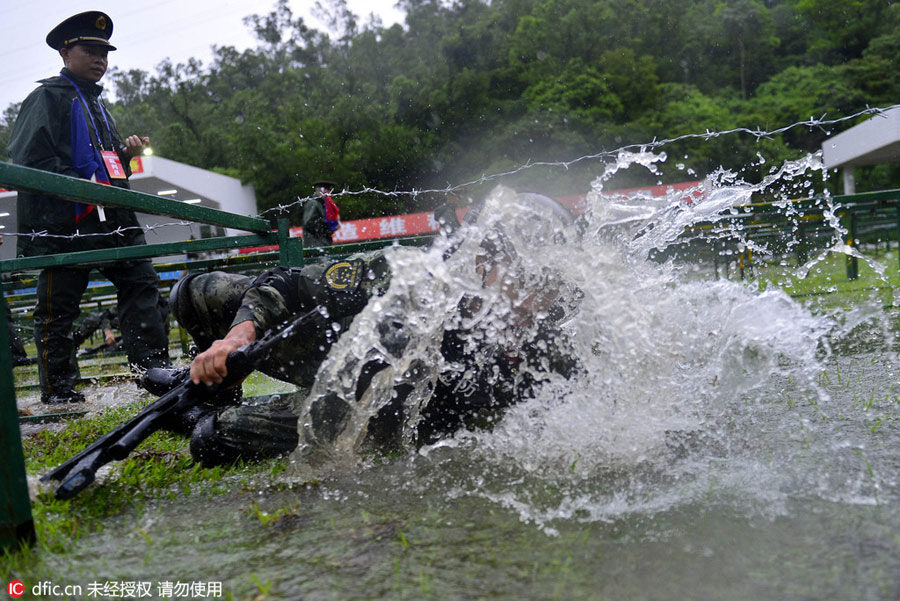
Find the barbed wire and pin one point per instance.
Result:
(119, 231)
(759, 133)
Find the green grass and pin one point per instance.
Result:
(826, 284)
(160, 468)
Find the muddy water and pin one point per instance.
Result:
(782, 499)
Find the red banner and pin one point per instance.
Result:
(360, 230)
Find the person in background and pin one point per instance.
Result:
(64, 128)
(105, 322)
(321, 216)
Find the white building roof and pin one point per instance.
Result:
(874, 141)
(154, 175)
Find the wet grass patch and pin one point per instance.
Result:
(826, 285)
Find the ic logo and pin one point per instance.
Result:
(15, 588)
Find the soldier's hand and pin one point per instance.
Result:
(209, 366)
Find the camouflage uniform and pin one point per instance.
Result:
(316, 232)
(209, 305)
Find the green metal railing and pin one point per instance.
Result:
(35, 180)
(16, 522)
(808, 216)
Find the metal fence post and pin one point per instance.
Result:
(852, 262)
(290, 250)
(16, 522)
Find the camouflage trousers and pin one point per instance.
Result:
(258, 428)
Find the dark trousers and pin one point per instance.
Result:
(59, 293)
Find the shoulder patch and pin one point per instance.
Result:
(344, 275)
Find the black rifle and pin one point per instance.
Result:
(79, 471)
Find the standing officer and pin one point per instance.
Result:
(63, 127)
(320, 216)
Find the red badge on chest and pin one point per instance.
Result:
(113, 165)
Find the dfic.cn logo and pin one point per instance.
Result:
(15, 588)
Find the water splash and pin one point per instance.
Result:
(673, 364)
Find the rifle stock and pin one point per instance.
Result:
(79, 472)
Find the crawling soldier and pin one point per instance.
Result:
(223, 312)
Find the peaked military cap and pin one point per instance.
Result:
(92, 27)
(324, 183)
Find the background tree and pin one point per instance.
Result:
(467, 88)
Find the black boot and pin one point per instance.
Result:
(184, 423)
(62, 397)
(207, 447)
(160, 380)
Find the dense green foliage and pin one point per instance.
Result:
(467, 88)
